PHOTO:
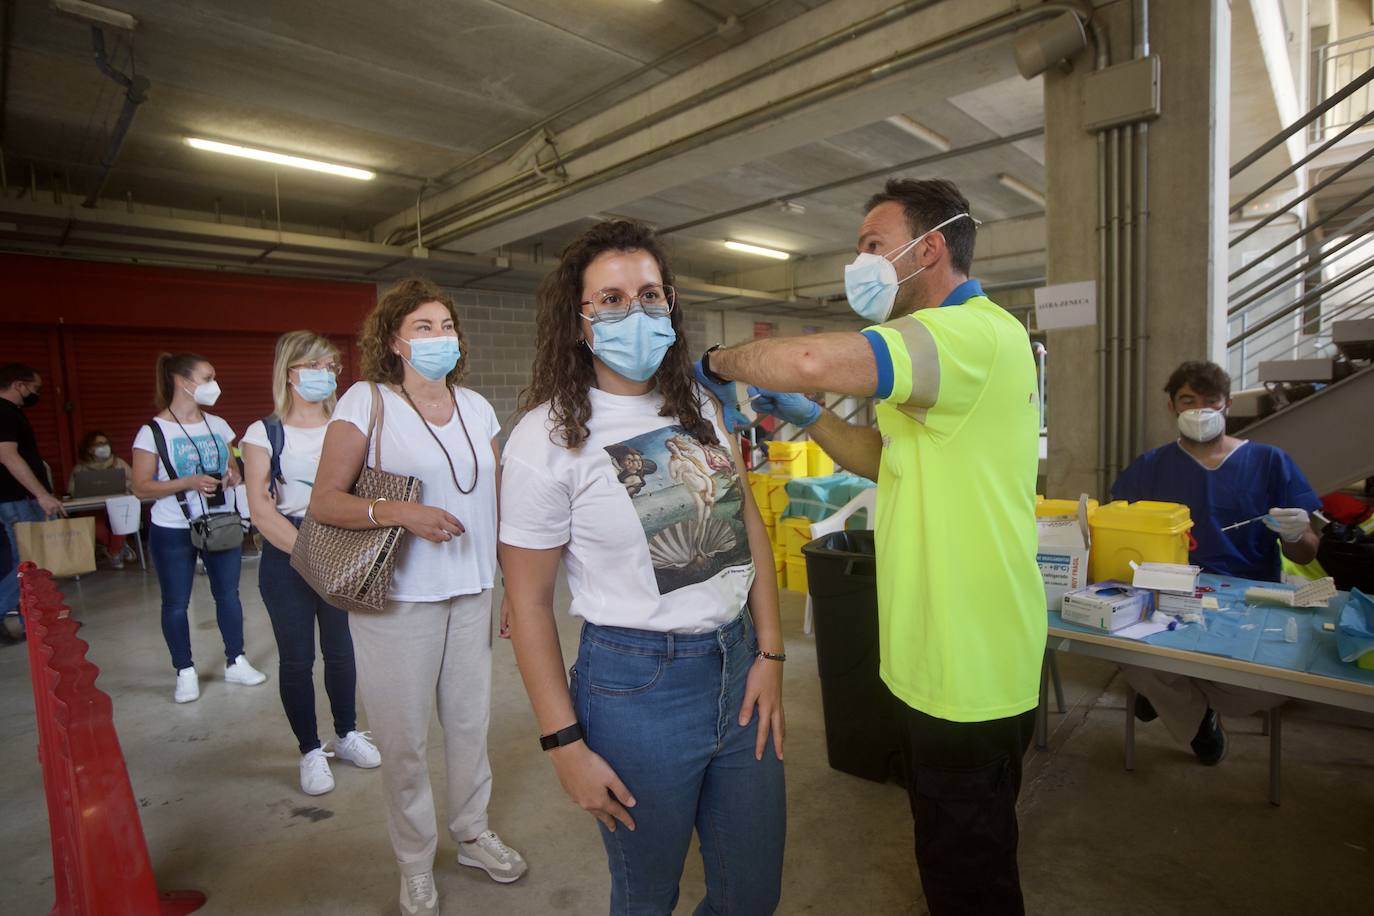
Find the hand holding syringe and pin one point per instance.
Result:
(1248, 521)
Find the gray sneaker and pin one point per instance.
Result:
(418, 894)
(498, 860)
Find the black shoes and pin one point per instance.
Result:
(1209, 744)
(11, 628)
(1144, 709)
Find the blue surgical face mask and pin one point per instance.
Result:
(870, 282)
(315, 384)
(634, 347)
(433, 357)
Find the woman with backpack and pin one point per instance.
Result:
(181, 459)
(281, 454)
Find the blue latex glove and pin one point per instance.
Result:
(734, 420)
(796, 409)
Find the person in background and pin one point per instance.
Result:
(1222, 480)
(961, 604)
(95, 453)
(432, 645)
(23, 495)
(200, 474)
(622, 472)
(281, 457)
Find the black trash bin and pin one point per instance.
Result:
(862, 721)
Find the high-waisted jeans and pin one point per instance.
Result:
(663, 710)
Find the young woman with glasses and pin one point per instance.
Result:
(621, 472)
(281, 457)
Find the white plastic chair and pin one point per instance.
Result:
(865, 500)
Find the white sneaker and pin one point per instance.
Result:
(316, 779)
(357, 748)
(498, 860)
(188, 686)
(418, 894)
(240, 672)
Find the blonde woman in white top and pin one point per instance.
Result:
(431, 648)
(281, 456)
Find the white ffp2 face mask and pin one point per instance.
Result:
(1202, 424)
(870, 281)
(207, 394)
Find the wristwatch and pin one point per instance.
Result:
(706, 367)
(561, 737)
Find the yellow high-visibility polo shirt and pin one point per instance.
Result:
(961, 605)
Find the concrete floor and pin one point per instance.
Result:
(222, 810)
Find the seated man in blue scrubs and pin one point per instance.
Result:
(1222, 480)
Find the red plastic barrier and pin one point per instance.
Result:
(99, 857)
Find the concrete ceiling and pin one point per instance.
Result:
(415, 92)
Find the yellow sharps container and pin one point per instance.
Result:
(1145, 531)
(1051, 508)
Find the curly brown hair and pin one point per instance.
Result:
(379, 362)
(563, 370)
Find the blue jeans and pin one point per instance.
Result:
(663, 710)
(11, 513)
(175, 560)
(295, 609)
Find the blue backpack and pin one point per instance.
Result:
(276, 437)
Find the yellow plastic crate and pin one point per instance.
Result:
(1145, 531)
(777, 494)
(818, 463)
(788, 459)
(795, 533)
(758, 483)
(780, 569)
(796, 574)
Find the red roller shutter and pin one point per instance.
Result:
(40, 348)
(112, 376)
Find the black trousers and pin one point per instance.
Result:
(963, 779)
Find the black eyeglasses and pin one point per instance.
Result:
(612, 305)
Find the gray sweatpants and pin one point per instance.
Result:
(1181, 701)
(414, 657)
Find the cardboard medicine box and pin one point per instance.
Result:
(1062, 551)
(1107, 606)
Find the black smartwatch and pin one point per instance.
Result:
(706, 367)
(561, 737)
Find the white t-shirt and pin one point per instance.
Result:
(205, 452)
(653, 519)
(426, 571)
(300, 459)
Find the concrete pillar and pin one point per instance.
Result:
(1186, 279)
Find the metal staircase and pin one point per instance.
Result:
(1301, 298)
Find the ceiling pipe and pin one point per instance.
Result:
(990, 29)
(8, 43)
(521, 181)
(135, 94)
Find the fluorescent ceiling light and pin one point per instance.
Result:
(1017, 186)
(295, 162)
(758, 250)
(920, 132)
(100, 15)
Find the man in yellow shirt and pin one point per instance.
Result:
(961, 605)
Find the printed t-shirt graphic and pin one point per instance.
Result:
(689, 501)
(187, 461)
